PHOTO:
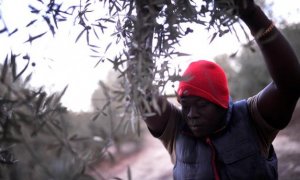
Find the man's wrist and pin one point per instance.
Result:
(250, 14)
(256, 20)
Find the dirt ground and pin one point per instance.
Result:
(152, 162)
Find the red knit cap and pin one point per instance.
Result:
(207, 80)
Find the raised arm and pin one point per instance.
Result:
(277, 101)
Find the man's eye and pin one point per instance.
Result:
(202, 103)
(184, 106)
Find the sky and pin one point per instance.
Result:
(61, 62)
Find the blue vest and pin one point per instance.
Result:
(238, 156)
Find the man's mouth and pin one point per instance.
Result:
(195, 127)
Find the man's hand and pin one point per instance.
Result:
(240, 8)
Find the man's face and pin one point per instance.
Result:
(202, 117)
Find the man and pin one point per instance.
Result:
(214, 138)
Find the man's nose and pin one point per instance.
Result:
(193, 113)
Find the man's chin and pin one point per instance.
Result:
(200, 134)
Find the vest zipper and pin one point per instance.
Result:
(213, 158)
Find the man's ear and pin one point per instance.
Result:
(178, 97)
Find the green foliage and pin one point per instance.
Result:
(35, 140)
(111, 119)
(253, 75)
(291, 32)
(40, 139)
